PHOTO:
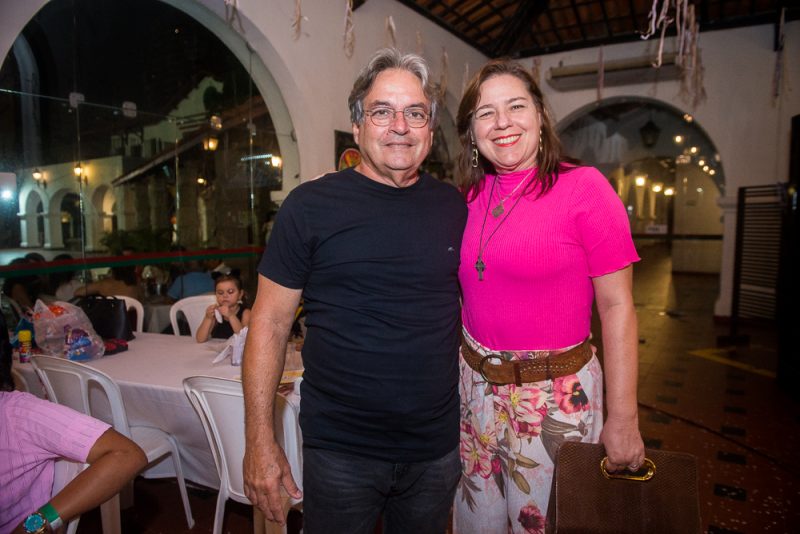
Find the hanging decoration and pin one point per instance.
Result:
(443, 77)
(777, 77)
(536, 70)
(349, 33)
(687, 57)
(420, 47)
(232, 15)
(465, 79)
(391, 31)
(297, 24)
(601, 73)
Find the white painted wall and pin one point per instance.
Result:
(750, 130)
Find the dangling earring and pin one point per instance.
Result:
(540, 141)
(474, 160)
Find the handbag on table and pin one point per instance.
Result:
(661, 498)
(109, 316)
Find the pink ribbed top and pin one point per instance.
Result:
(537, 292)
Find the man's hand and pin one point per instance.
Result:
(266, 471)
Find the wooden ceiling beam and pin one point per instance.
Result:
(521, 22)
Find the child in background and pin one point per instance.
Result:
(228, 316)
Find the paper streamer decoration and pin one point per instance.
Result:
(601, 73)
(687, 36)
(391, 30)
(297, 24)
(349, 33)
(777, 77)
(443, 77)
(232, 15)
(420, 48)
(536, 70)
(465, 79)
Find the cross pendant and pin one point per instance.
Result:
(480, 266)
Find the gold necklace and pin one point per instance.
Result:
(480, 265)
(498, 210)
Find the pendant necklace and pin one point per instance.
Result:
(480, 265)
(498, 210)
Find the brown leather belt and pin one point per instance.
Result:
(496, 370)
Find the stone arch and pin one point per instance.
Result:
(264, 69)
(103, 203)
(30, 218)
(665, 168)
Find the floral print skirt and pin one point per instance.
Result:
(509, 436)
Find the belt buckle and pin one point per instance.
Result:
(483, 361)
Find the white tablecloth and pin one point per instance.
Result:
(150, 375)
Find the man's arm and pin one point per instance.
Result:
(113, 461)
(620, 435)
(265, 466)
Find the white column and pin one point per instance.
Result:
(722, 308)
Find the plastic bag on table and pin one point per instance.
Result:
(63, 329)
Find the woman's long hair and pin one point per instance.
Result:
(550, 160)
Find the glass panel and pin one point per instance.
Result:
(180, 180)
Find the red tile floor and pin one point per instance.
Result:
(722, 405)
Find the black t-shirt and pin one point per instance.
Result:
(378, 266)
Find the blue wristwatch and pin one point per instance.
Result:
(35, 523)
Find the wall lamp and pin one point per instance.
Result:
(210, 143)
(39, 178)
(80, 174)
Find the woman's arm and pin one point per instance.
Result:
(620, 435)
(113, 461)
(206, 325)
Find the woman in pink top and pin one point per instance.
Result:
(544, 238)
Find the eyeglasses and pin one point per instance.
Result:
(415, 117)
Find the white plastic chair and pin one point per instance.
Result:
(194, 308)
(131, 302)
(19, 381)
(69, 383)
(220, 404)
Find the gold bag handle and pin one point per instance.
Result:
(643, 474)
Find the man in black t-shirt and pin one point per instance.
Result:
(374, 253)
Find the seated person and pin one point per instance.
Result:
(122, 282)
(230, 306)
(24, 289)
(216, 265)
(64, 283)
(34, 433)
(194, 282)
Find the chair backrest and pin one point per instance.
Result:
(220, 404)
(83, 389)
(19, 381)
(131, 302)
(194, 308)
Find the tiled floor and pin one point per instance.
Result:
(722, 405)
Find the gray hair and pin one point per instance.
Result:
(385, 59)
